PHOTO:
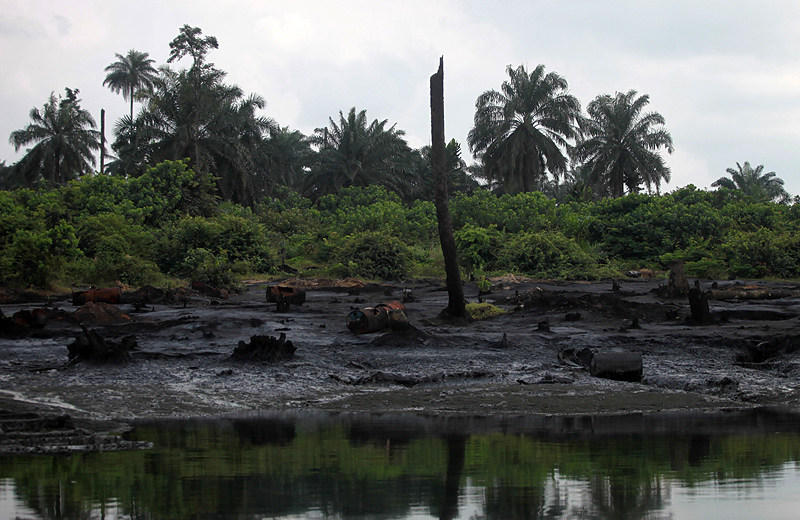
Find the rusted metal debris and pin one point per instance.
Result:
(390, 315)
(284, 296)
(104, 295)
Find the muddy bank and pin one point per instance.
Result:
(181, 364)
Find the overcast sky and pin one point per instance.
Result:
(724, 74)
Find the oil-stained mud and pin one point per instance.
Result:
(182, 362)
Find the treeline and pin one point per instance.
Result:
(170, 223)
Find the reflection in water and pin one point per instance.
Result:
(356, 466)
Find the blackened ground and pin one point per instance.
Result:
(182, 364)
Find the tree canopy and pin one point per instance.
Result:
(131, 75)
(521, 132)
(619, 144)
(752, 182)
(64, 137)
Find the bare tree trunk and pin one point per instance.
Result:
(102, 141)
(456, 306)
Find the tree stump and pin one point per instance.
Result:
(92, 347)
(698, 304)
(264, 348)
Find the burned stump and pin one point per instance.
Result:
(698, 303)
(264, 348)
(90, 346)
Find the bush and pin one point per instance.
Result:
(545, 254)
(373, 255)
(477, 247)
(201, 265)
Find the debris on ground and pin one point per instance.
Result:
(34, 433)
(104, 295)
(284, 296)
(390, 315)
(90, 346)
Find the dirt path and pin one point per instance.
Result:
(182, 368)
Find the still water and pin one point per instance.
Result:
(724, 465)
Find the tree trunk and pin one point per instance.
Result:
(456, 306)
(102, 141)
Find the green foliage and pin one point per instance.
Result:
(482, 311)
(374, 256)
(763, 253)
(202, 265)
(36, 256)
(169, 190)
(477, 247)
(544, 254)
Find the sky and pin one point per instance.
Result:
(724, 74)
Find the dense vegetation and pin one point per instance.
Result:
(204, 187)
(169, 222)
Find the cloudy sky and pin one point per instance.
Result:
(724, 74)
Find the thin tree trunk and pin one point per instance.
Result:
(455, 291)
(102, 141)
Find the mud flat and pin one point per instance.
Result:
(181, 361)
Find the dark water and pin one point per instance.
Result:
(680, 465)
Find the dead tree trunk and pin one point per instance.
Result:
(102, 141)
(456, 306)
(698, 303)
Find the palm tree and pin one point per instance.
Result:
(64, 138)
(619, 144)
(193, 113)
(521, 132)
(130, 74)
(204, 119)
(354, 153)
(285, 155)
(748, 181)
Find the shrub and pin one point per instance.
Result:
(373, 255)
(546, 254)
(477, 247)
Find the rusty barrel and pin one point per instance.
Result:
(286, 295)
(373, 319)
(620, 366)
(369, 319)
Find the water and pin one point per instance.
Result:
(293, 466)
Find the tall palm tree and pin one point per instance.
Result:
(130, 74)
(752, 182)
(354, 153)
(522, 131)
(620, 145)
(65, 137)
(195, 114)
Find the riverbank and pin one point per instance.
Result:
(506, 365)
